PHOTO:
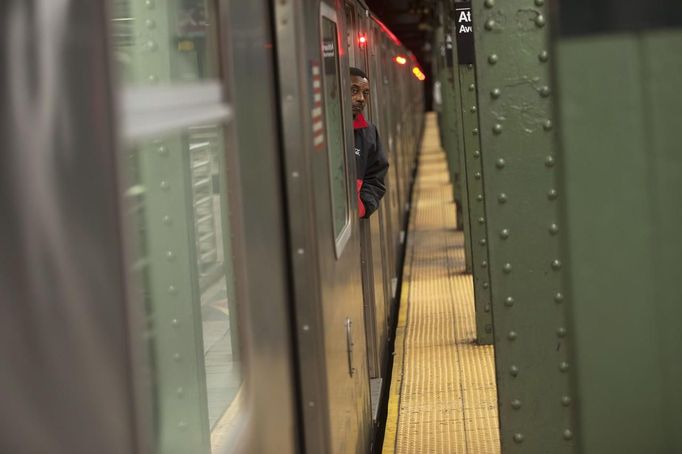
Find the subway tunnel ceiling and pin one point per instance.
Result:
(411, 21)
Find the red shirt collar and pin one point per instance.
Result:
(360, 122)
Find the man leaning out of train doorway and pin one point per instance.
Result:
(370, 159)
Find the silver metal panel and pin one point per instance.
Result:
(341, 289)
(309, 328)
(392, 143)
(373, 276)
(376, 101)
(369, 299)
(374, 286)
(63, 322)
(270, 403)
(384, 93)
(327, 291)
(381, 301)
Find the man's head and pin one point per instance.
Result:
(359, 88)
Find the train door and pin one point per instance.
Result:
(319, 160)
(388, 208)
(385, 218)
(191, 216)
(379, 222)
(356, 57)
(386, 227)
(370, 229)
(394, 138)
(339, 255)
(388, 115)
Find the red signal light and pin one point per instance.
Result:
(400, 60)
(362, 40)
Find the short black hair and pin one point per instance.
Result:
(358, 72)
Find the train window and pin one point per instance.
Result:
(335, 129)
(177, 135)
(169, 41)
(350, 30)
(178, 218)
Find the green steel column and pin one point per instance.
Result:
(476, 205)
(462, 174)
(452, 134)
(444, 113)
(165, 183)
(461, 183)
(449, 133)
(526, 269)
(449, 118)
(620, 116)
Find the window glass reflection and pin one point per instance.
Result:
(180, 220)
(165, 41)
(334, 127)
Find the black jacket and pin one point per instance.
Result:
(371, 164)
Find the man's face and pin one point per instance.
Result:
(359, 88)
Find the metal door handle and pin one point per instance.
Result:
(349, 345)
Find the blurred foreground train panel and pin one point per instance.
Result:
(182, 269)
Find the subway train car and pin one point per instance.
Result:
(183, 269)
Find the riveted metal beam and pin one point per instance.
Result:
(462, 175)
(521, 204)
(476, 197)
(447, 118)
(622, 176)
(467, 104)
(449, 131)
(450, 122)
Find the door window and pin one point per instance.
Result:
(336, 149)
(177, 131)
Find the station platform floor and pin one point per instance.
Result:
(442, 396)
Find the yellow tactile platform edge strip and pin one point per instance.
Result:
(442, 397)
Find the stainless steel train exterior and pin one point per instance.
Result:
(182, 266)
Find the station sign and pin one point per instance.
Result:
(464, 31)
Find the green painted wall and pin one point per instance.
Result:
(620, 116)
